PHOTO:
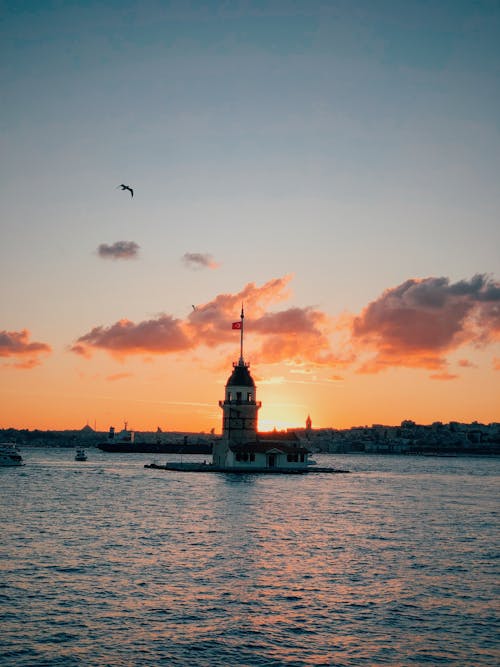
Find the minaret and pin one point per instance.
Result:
(239, 407)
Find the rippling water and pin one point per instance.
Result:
(106, 563)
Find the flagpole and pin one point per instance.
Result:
(242, 317)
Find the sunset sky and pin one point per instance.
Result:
(332, 165)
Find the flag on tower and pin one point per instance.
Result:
(236, 325)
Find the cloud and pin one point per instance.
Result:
(119, 250)
(210, 323)
(465, 363)
(80, 349)
(26, 364)
(272, 380)
(443, 376)
(299, 368)
(158, 336)
(296, 333)
(417, 323)
(16, 345)
(118, 376)
(197, 260)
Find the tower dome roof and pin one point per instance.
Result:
(240, 377)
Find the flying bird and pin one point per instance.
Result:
(127, 187)
(194, 307)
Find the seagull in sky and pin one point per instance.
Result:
(127, 187)
(194, 307)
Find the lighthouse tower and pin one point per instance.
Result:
(242, 448)
(239, 407)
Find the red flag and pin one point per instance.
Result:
(236, 325)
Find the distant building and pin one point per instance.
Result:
(241, 445)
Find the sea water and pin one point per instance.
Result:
(104, 562)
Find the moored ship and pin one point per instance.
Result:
(10, 455)
(125, 442)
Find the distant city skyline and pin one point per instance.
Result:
(334, 166)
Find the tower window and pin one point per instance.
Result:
(238, 395)
(228, 395)
(249, 396)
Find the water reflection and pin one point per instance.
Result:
(115, 565)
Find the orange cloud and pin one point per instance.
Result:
(417, 323)
(465, 363)
(15, 344)
(295, 334)
(209, 324)
(82, 350)
(118, 376)
(160, 336)
(443, 376)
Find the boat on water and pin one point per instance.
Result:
(156, 447)
(10, 455)
(80, 455)
(125, 442)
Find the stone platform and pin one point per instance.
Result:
(180, 466)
